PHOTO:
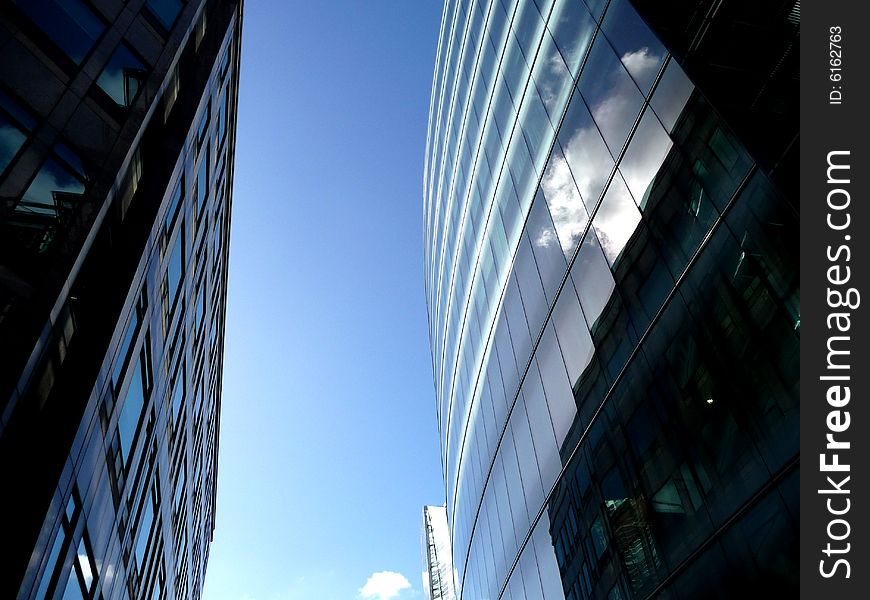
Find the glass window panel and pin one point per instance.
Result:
(123, 76)
(166, 11)
(12, 138)
(671, 95)
(592, 278)
(125, 349)
(175, 271)
(541, 427)
(202, 185)
(531, 579)
(175, 204)
(545, 246)
(73, 590)
(143, 531)
(611, 95)
(554, 81)
(536, 128)
(573, 334)
(534, 301)
(585, 151)
(563, 199)
(545, 554)
(85, 564)
(533, 488)
(131, 411)
(53, 190)
(572, 27)
(560, 398)
(527, 25)
(616, 219)
(638, 48)
(54, 553)
(71, 24)
(644, 157)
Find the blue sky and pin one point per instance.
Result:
(328, 446)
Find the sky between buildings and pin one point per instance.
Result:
(328, 442)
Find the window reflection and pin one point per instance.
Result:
(71, 24)
(572, 27)
(671, 95)
(123, 76)
(644, 157)
(616, 219)
(585, 151)
(592, 278)
(612, 96)
(638, 49)
(560, 192)
(165, 11)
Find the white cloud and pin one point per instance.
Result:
(384, 585)
(641, 63)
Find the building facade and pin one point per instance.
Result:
(117, 140)
(437, 561)
(611, 272)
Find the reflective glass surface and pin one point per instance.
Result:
(591, 437)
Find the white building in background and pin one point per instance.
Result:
(437, 559)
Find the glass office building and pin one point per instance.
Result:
(437, 561)
(117, 138)
(611, 271)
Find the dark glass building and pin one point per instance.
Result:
(117, 137)
(611, 272)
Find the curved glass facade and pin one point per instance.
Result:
(613, 295)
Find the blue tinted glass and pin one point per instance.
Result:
(70, 23)
(11, 140)
(175, 270)
(616, 219)
(131, 410)
(572, 28)
(202, 185)
(144, 529)
(124, 352)
(166, 11)
(612, 97)
(25, 118)
(123, 76)
(53, 188)
(637, 47)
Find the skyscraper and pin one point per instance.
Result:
(611, 273)
(117, 138)
(437, 562)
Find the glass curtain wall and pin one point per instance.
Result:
(613, 295)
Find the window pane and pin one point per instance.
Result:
(644, 157)
(54, 189)
(572, 28)
(637, 47)
(612, 96)
(123, 76)
(566, 208)
(70, 23)
(545, 246)
(616, 219)
(131, 411)
(166, 11)
(671, 95)
(592, 278)
(11, 140)
(585, 151)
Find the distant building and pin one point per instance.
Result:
(611, 273)
(117, 140)
(437, 562)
